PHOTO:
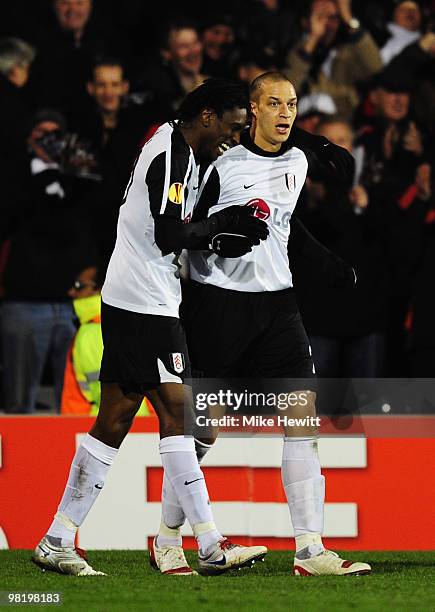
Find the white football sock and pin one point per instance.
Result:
(86, 479)
(183, 472)
(172, 516)
(168, 536)
(172, 513)
(305, 490)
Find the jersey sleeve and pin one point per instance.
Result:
(167, 179)
(326, 161)
(208, 194)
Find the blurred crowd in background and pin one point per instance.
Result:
(84, 83)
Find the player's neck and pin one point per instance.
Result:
(262, 143)
(192, 138)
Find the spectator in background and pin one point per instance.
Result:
(66, 52)
(49, 244)
(112, 128)
(393, 144)
(418, 60)
(393, 149)
(423, 292)
(347, 333)
(179, 69)
(16, 57)
(112, 115)
(404, 29)
(81, 389)
(271, 26)
(218, 46)
(253, 62)
(333, 56)
(312, 109)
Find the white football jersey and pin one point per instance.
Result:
(164, 181)
(270, 183)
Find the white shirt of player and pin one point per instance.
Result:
(139, 277)
(270, 184)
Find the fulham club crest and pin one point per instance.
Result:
(290, 181)
(177, 360)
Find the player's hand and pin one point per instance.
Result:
(232, 245)
(338, 273)
(240, 220)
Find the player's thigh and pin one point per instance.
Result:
(283, 351)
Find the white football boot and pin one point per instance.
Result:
(63, 560)
(170, 560)
(328, 563)
(227, 556)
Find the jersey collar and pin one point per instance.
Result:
(248, 143)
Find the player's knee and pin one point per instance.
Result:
(170, 426)
(116, 424)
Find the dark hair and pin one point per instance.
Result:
(333, 119)
(104, 60)
(257, 56)
(48, 114)
(175, 25)
(219, 95)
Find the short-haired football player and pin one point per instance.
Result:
(144, 344)
(260, 332)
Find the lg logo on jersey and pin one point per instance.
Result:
(262, 211)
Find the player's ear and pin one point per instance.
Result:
(254, 109)
(90, 87)
(125, 87)
(206, 117)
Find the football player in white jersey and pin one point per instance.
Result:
(260, 332)
(144, 345)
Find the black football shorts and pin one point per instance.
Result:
(235, 334)
(142, 351)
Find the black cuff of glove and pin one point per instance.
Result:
(232, 245)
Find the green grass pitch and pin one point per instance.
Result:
(401, 581)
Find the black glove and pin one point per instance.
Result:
(232, 245)
(240, 220)
(338, 273)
